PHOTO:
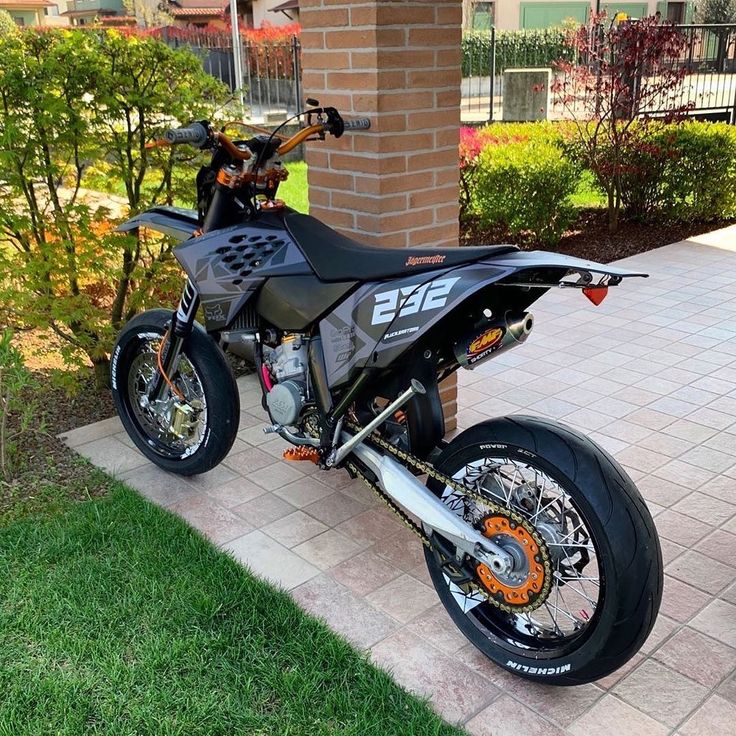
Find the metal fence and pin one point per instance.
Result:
(709, 61)
(708, 88)
(271, 71)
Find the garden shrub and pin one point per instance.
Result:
(68, 99)
(8, 26)
(526, 187)
(698, 171)
(684, 171)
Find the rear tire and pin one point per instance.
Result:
(212, 373)
(621, 532)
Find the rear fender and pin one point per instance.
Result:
(379, 321)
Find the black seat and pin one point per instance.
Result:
(335, 257)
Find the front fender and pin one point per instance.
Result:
(177, 222)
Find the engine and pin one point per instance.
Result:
(287, 368)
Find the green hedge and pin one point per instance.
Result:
(521, 176)
(526, 187)
(524, 48)
(683, 171)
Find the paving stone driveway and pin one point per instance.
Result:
(651, 375)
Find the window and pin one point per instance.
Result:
(482, 16)
(676, 12)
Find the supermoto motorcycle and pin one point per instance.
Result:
(539, 545)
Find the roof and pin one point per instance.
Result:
(25, 4)
(197, 5)
(190, 12)
(288, 5)
(91, 13)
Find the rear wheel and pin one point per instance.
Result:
(587, 582)
(191, 430)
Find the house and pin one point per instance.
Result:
(106, 12)
(515, 14)
(253, 13)
(275, 12)
(35, 12)
(200, 13)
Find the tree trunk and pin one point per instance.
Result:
(101, 367)
(613, 210)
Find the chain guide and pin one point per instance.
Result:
(533, 598)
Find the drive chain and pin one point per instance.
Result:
(409, 461)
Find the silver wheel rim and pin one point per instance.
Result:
(142, 370)
(576, 586)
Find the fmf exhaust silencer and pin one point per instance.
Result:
(493, 338)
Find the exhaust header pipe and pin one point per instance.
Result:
(493, 338)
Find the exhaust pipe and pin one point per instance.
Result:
(493, 338)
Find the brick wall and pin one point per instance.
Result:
(396, 62)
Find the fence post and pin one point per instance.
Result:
(296, 53)
(493, 72)
(237, 54)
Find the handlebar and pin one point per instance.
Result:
(195, 134)
(198, 134)
(360, 124)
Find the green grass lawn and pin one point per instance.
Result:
(587, 194)
(117, 618)
(293, 191)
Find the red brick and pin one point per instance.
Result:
(447, 137)
(317, 58)
(448, 175)
(329, 17)
(434, 78)
(435, 235)
(350, 39)
(405, 14)
(451, 15)
(448, 98)
(447, 212)
(436, 196)
(441, 37)
(405, 101)
(433, 119)
(319, 197)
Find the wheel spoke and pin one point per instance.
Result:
(529, 491)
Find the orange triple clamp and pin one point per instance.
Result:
(295, 454)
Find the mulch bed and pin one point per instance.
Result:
(590, 238)
(47, 474)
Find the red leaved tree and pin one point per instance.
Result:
(625, 83)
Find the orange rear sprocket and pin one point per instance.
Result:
(523, 587)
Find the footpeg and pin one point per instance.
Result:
(298, 454)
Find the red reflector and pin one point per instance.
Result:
(596, 294)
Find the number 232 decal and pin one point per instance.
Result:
(411, 299)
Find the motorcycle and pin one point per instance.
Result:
(537, 542)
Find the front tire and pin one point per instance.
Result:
(204, 376)
(607, 585)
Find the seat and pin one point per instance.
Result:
(335, 257)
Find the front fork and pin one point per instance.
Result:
(182, 323)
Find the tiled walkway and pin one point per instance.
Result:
(651, 374)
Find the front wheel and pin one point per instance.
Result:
(191, 429)
(587, 587)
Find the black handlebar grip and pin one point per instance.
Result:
(360, 124)
(195, 134)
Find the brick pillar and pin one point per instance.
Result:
(396, 62)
